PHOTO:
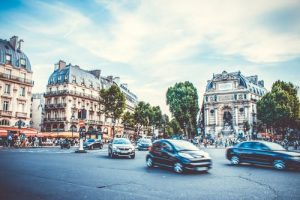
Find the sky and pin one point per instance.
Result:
(153, 44)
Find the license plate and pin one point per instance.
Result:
(201, 168)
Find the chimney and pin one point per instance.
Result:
(61, 64)
(13, 42)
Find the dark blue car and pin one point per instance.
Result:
(263, 153)
(179, 155)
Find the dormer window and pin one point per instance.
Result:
(23, 62)
(8, 58)
(73, 79)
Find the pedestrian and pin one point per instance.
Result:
(9, 138)
(296, 144)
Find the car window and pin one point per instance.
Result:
(166, 146)
(156, 146)
(91, 140)
(259, 146)
(121, 141)
(246, 145)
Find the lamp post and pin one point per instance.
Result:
(19, 126)
(72, 122)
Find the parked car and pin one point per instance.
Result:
(65, 144)
(92, 144)
(121, 147)
(179, 155)
(144, 144)
(263, 153)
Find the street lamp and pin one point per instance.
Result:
(72, 121)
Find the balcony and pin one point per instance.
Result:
(72, 93)
(4, 113)
(21, 115)
(16, 79)
(58, 119)
(55, 106)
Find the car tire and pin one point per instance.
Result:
(279, 164)
(101, 146)
(178, 168)
(235, 160)
(91, 147)
(149, 162)
(133, 156)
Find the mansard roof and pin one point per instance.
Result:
(249, 83)
(16, 55)
(66, 74)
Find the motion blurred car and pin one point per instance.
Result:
(121, 147)
(263, 153)
(92, 144)
(179, 155)
(65, 144)
(144, 144)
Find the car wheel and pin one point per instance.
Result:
(133, 156)
(235, 160)
(178, 168)
(279, 164)
(149, 162)
(91, 147)
(101, 146)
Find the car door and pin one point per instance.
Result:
(167, 154)
(156, 152)
(245, 151)
(261, 153)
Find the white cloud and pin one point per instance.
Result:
(157, 37)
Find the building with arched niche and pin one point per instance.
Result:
(230, 102)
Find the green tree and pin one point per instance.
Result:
(175, 127)
(142, 114)
(114, 103)
(279, 109)
(128, 120)
(182, 99)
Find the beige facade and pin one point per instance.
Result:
(15, 84)
(72, 101)
(230, 102)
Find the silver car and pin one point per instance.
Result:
(121, 147)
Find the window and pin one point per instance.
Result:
(8, 72)
(23, 62)
(246, 145)
(4, 122)
(7, 89)
(166, 146)
(245, 96)
(21, 107)
(22, 91)
(260, 146)
(5, 105)
(73, 79)
(8, 58)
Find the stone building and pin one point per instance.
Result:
(72, 101)
(37, 111)
(15, 85)
(230, 103)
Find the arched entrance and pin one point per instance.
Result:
(227, 121)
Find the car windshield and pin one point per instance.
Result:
(121, 141)
(91, 140)
(275, 147)
(145, 141)
(181, 145)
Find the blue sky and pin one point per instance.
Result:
(153, 44)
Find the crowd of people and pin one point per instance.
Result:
(21, 141)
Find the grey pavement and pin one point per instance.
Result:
(62, 174)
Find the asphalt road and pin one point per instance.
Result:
(52, 173)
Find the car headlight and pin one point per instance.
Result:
(185, 155)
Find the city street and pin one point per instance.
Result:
(52, 173)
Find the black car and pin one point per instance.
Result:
(179, 155)
(263, 153)
(65, 144)
(144, 144)
(92, 144)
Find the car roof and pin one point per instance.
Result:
(260, 141)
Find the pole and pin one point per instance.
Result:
(80, 150)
